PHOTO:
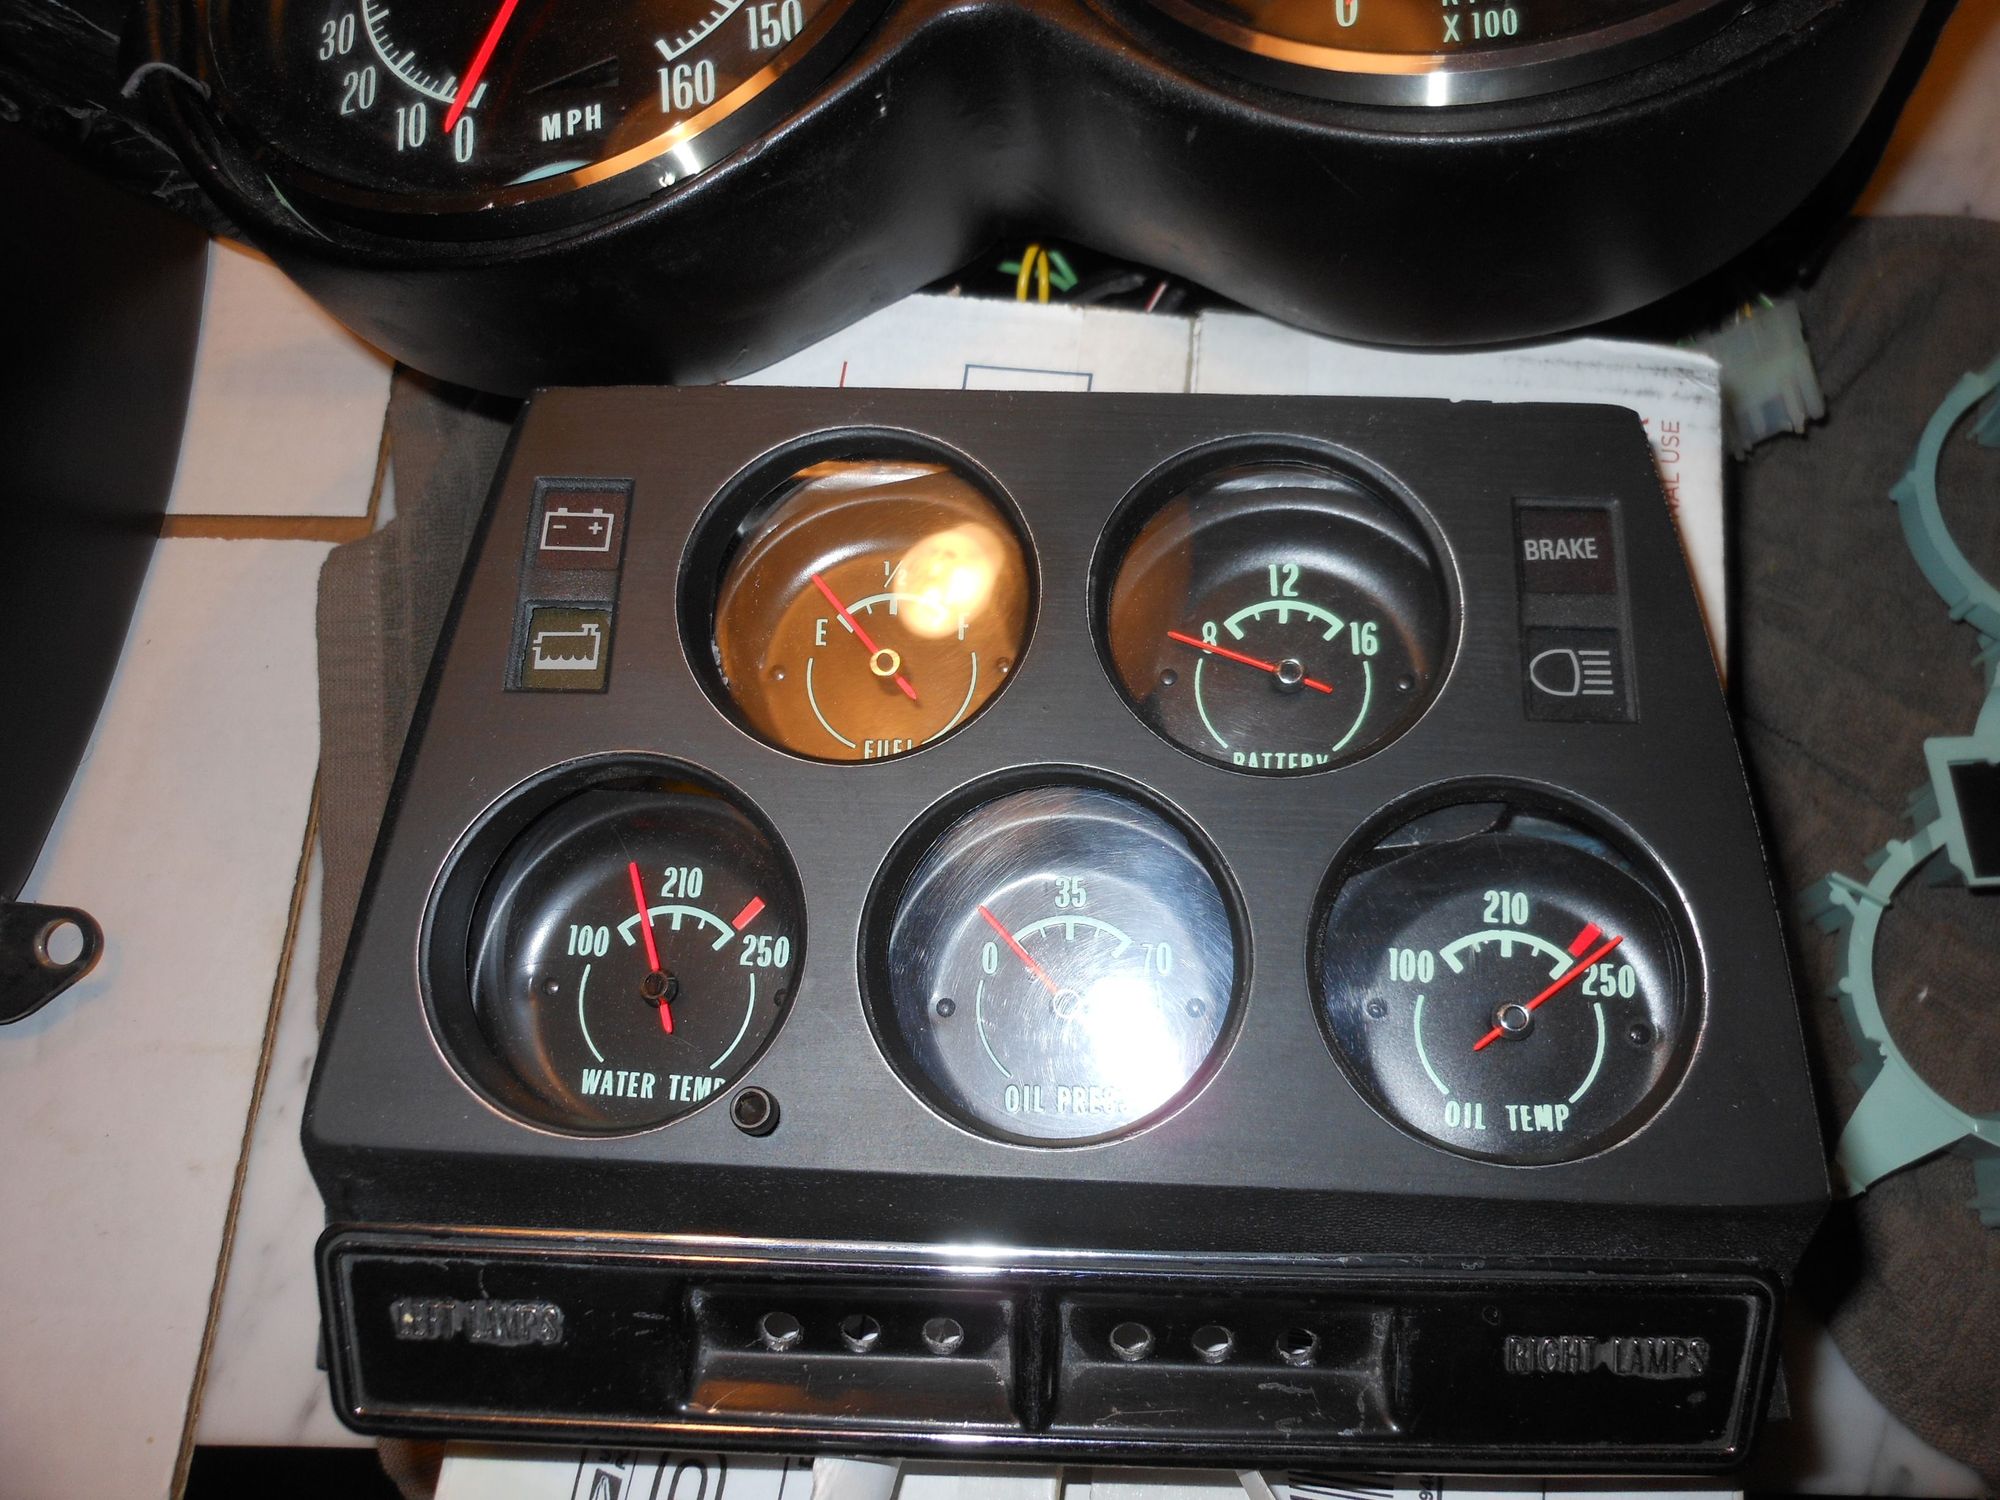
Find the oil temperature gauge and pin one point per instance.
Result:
(629, 956)
(1506, 985)
(1279, 618)
(870, 608)
(1059, 966)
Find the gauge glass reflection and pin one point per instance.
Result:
(1060, 966)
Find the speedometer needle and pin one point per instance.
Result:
(652, 947)
(1551, 992)
(477, 67)
(1249, 661)
(861, 635)
(1021, 953)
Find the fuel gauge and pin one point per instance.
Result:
(870, 608)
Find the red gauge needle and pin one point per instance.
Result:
(1021, 953)
(861, 635)
(652, 947)
(477, 67)
(1552, 991)
(1249, 661)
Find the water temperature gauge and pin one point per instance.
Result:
(1505, 984)
(1059, 966)
(870, 608)
(629, 956)
(1279, 618)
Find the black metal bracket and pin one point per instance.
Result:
(30, 973)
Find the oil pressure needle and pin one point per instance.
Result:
(1249, 661)
(652, 947)
(1021, 953)
(862, 636)
(1551, 992)
(477, 67)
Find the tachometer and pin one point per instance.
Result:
(1442, 51)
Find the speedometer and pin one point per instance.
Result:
(1441, 51)
(471, 106)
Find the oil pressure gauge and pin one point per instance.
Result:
(1506, 985)
(1059, 966)
(1277, 617)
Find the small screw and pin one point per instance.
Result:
(859, 1332)
(1376, 1009)
(1214, 1343)
(778, 1331)
(943, 1335)
(754, 1111)
(1640, 1034)
(1131, 1342)
(947, 1008)
(1298, 1346)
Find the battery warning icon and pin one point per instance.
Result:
(566, 530)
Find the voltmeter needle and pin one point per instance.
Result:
(860, 635)
(1249, 661)
(1572, 972)
(652, 946)
(1019, 952)
(477, 67)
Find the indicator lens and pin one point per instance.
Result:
(1059, 966)
(1278, 618)
(630, 955)
(1505, 985)
(871, 608)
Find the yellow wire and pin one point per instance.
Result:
(1027, 270)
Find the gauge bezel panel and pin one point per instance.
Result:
(447, 946)
(891, 888)
(1178, 476)
(740, 505)
(1233, 1163)
(1638, 864)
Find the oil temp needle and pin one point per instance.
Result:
(1551, 992)
(861, 635)
(652, 947)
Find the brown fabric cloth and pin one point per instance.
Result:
(1847, 663)
(382, 601)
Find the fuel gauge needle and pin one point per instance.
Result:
(874, 651)
(1021, 953)
(476, 69)
(652, 946)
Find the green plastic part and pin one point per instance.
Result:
(1901, 1119)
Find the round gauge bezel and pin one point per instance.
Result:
(756, 489)
(891, 886)
(567, 199)
(1168, 481)
(445, 939)
(1638, 862)
(1436, 80)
